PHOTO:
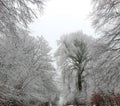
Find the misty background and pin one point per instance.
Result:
(61, 17)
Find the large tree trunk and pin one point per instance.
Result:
(79, 81)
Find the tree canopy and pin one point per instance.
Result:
(18, 13)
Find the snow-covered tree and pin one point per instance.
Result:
(105, 71)
(72, 56)
(26, 66)
(106, 58)
(18, 13)
(106, 20)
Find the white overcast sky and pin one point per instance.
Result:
(62, 17)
